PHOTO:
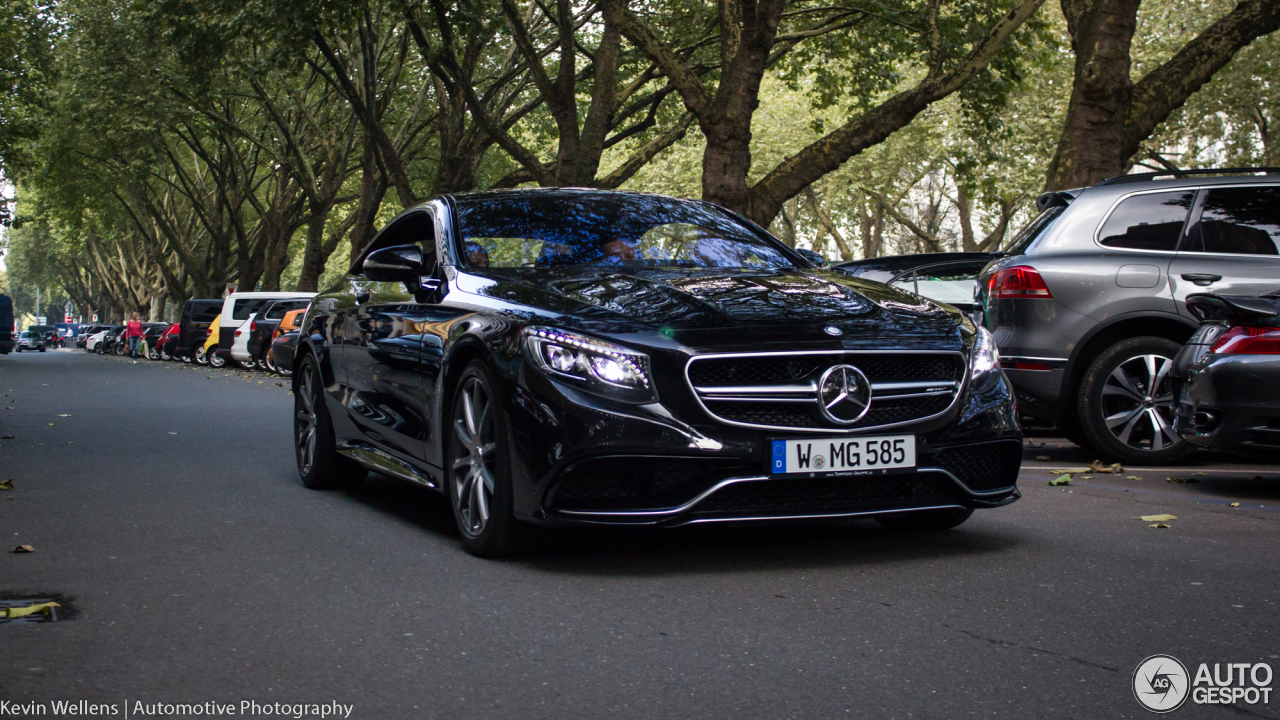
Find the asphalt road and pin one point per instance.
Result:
(165, 511)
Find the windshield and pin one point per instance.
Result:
(1033, 230)
(608, 230)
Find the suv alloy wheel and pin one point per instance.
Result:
(1126, 402)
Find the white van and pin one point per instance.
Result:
(239, 309)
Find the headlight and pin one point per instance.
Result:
(984, 363)
(590, 364)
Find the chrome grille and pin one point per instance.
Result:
(779, 390)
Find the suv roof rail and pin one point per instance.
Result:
(1147, 176)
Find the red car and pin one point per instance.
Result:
(164, 345)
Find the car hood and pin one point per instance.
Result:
(719, 298)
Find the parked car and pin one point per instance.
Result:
(236, 311)
(7, 338)
(284, 340)
(946, 277)
(206, 352)
(261, 328)
(86, 331)
(1089, 309)
(151, 334)
(168, 342)
(579, 356)
(31, 340)
(110, 341)
(1227, 377)
(194, 332)
(240, 345)
(92, 342)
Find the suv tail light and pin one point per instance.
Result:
(1241, 340)
(208, 332)
(1017, 283)
(253, 327)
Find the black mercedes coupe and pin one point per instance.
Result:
(592, 357)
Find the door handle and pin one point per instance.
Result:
(362, 298)
(1201, 279)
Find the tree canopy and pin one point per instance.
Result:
(152, 152)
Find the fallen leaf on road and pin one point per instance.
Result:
(64, 416)
(28, 610)
(259, 382)
(173, 433)
(23, 549)
(1235, 504)
(1156, 518)
(6, 437)
(1133, 477)
(1159, 525)
(1202, 473)
(1098, 467)
(1069, 471)
(1087, 477)
(1042, 457)
(1181, 480)
(52, 424)
(1064, 480)
(7, 484)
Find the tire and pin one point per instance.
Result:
(41, 349)
(270, 362)
(1126, 403)
(165, 356)
(320, 465)
(926, 520)
(153, 354)
(478, 468)
(215, 360)
(18, 349)
(201, 357)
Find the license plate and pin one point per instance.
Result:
(842, 455)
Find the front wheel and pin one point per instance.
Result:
(153, 354)
(320, 465)
(1126, 403)
(926, 520)
(479, 467)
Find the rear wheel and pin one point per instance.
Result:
(270, 362)
(1126, 403)
(201, 357)
(320, 465)
(153, 354)
(479, 468)
(926, 520)
(215, 360)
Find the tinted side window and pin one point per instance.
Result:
(1243, 221)
(1148, 222)
(242, 309)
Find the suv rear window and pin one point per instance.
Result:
(1241, 221)
(242, 309)
(203, 312)
(1148, 222)
(1033, 230)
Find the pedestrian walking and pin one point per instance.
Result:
(133, 331)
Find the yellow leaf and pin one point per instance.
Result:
(23, 549)
(7, 484)
(1133, 477)
(1157, 518)
(1235, 504)
(1159, 525)
(1064, 480)
(29, 610)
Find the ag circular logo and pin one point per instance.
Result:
(1161, 683)
(844, 394)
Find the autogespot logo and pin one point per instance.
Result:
(1160, 683)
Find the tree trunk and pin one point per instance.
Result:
(312, 252)
(1109, 116)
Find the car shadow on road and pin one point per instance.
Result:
(650, 552)
(642, 551)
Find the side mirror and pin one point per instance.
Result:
(401, 263)
(813, 257)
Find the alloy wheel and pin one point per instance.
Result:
(1137, 403)
(305, 421)
(200, 355)
(473, 447)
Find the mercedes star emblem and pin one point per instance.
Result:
(831, 330)
(844, 394)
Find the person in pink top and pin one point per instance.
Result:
(133, 332)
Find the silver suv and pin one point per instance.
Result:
(1088, 310)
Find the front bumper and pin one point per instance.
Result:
(581, 459)
(1228, 402)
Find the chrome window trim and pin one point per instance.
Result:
(959, 387)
